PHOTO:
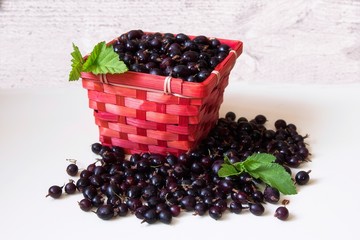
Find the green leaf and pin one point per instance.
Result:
(262, 166)
(274, 175)
(261, 157)
(77, 64)
(255, 161)
(226, 159)
(104, 60)
(239, 166)
(251, 165)
(227, 170)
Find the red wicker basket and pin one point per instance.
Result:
(147, 113)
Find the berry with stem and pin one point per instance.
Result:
(70, 187)
(85, 204)
(55, 191)
(302, 177)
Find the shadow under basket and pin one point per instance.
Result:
(148, 113)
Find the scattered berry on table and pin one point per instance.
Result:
(72, 169)
(302, 177)
(70, 187)
(282, 213)
(55, 191)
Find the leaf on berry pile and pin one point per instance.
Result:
(256, 160)
(77, 64)
(262, 157)
(272, 174)
(251, 165)
(226, 159)
(227, 170)
(104, 60)
(261, 166)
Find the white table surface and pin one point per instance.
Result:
(41, 127)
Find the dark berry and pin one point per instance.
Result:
(224, 48)
(140, 211)
(280, 123)
(225, 186)
(188, 203)
(175, 210)
(256, 208)
(97, 201)
(260, 119)
(70, 187)
(181, 37)
(96, 148)
(215, 212)
(72, 169)
(271, 195)
(165, 216)
(302, 177)
(89, 192)
(105, 212)
(81, 183)
(55, 191)
(85, 204)
(258, 196)
(122, 209)
(282, 213)
(235, 207)
(200, 208)
(239, 197)
(230, 116)
(150, 216)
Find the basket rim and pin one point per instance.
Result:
(171, 85)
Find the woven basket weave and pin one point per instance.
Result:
(148, 113)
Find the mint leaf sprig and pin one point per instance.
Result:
(261, 166)
(102, 60)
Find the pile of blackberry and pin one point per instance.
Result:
(170, 55)
(156, 187)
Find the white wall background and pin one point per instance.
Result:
(299, 41)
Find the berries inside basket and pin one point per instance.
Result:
(160, 111)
